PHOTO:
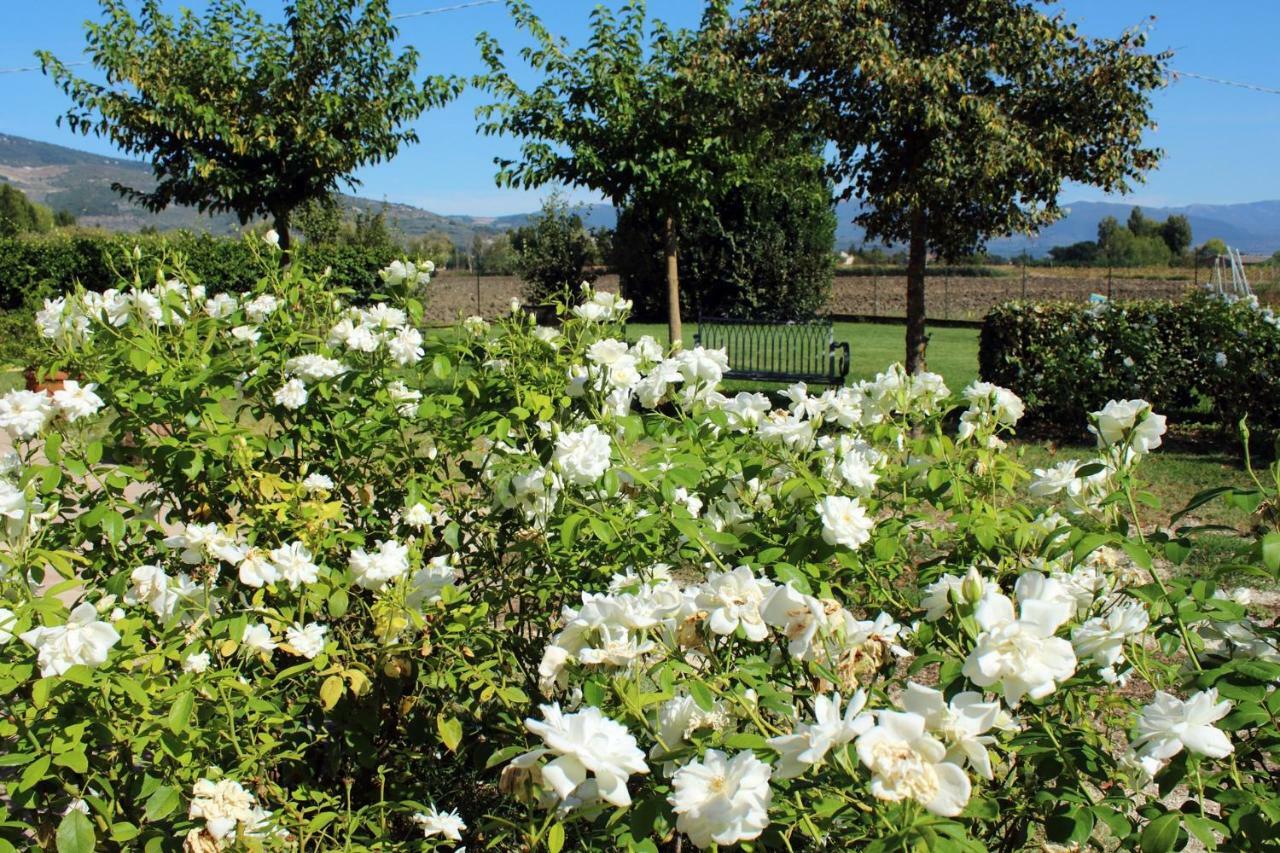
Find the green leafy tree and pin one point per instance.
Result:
(1140, 225)
(553, 253)
(244, 115)
(955, 121)
(1211, 248)
(763, 251)
(1176, 233)
(657, 121)
(19, 215)
(320, 220)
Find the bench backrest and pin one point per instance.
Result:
(798, 351)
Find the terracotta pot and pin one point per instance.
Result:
(52, 381)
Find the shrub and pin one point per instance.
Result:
(1064, 359)
(33, 266)
(553, 254)
(282, 573)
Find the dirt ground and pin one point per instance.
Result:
(452, 295)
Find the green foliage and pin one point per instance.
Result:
(1141, 242)
(33, 267)
(19, 215)
(762, 251)
(554, 253)
(1212, 248)
(956, 121)
(240, 114)
(1066, 359)
(663, 120)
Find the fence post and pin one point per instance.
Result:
(1024, 275)
(1108, 282)
(477, 290)
(946, 297)
(875, 295)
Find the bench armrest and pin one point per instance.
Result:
(841, 365)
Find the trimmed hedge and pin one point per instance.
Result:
(35, 266)
(1066, 359)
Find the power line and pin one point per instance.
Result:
(424, 12)
(1250, 86)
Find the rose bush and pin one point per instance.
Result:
(283, 572)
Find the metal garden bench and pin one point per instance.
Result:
(805, 351)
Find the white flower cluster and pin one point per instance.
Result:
(69, 319)
(228, 810)
(368, 330)
(404, 272)
(25, 414)
(601, 306)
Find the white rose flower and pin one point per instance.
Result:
(225, 807)
(292, 395)
(257, 570)
(419, 516)
(82, 640)
(314, 367)
(374, 569)
(722, 801)
(582, 457)
(435, 822)
(293, 563)
(585, 742)
(221, 305)
(248, 334)
(734, 599)
(257, 638)
(1131, 420)
(306, 640)
(151, 586)
(800, 618)
(1168, 724)
(907, 763)
(962, 723)
(317, 482)
(1101, 639)
(1020, 653)
(429, 582)
(24, 414)
(808, 744)
(844, 522)
(8, 620)
(76, 401)
(405, 347)
(196, 662)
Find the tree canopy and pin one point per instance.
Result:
(240, 114)
(958, 120)
(642, 114)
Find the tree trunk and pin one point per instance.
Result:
(917, 340)
(670, 247)
(281, 226)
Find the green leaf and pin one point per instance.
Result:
(702, 695)
(555, 838)
(1270, 548)
(338, 603)
(450, 730)
(75, 833)
(180, 712)
(441, 367)
(161, 803)
(331, 691)
(1161, 834)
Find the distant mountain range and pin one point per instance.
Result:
(68, 179)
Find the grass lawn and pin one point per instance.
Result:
(875, 346)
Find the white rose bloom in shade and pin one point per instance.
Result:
(23, 414)
(844, 522)
(962, 723)
(248, 334)
(152, 587)
(374, 569)
(224, 806)
(293, 562)
(271, 238)
(257, 638)
(257, 570)
(435, 822)
(1132, 419)
(858, 472)
(585, 742)
(405, 398)
(801, 619)
(82, 640)
(196, 662)
(808, 744)
(1101, 639)
(221, 305)
(15, 508)
(292, 395)
(318, 482)
(7, 622)
(582, 457)
(419, 516)
(1168, 724)
(907, 763)
(1050, 481)
(1020, 653)
(260, 308)
(76, 401)
(679, 717)
(405, 347)
(315, 368)
(307, 640)
(722, 801)
(938, 595)
(735, 599)
(429, 582)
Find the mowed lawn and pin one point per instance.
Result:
(874, 346)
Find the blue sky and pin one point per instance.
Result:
(1220, 142)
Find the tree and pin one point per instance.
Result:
(1212, 248)
(955, 121)
(1176, 233)
(553, 253)
(238, 114)
(657, 122)
(763, 251)
(19, 215)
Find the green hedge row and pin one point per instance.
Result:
(1204, 353)
(35, 266)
